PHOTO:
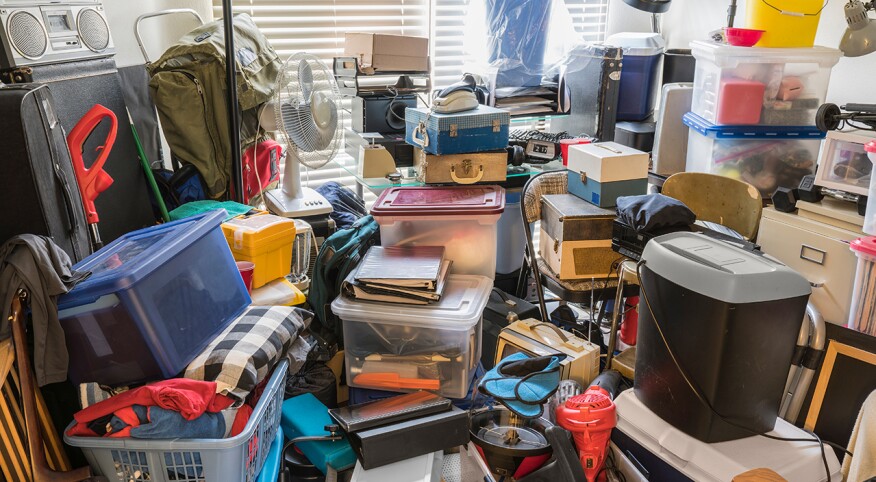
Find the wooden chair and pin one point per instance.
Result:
(575, 291)
(31, 448)
(718, 199)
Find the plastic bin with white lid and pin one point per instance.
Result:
(805, 73)
(156, 297)
(642, 53)
(766, 157)
(409, 347)
(463, 219)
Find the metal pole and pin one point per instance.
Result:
(231, 102)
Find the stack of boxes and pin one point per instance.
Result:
(576, 228)
(753, 112)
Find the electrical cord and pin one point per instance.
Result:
(698, 393)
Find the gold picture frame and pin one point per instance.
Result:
(834, 350)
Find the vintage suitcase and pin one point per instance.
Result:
(478, 130)
(576, 237)
(40, 194)
(604, 171)
(461, 168)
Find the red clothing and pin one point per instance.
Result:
(240, 420)
(191, 398)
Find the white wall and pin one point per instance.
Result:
(852, 79)
(158, 33)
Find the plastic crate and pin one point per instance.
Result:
(234, 459)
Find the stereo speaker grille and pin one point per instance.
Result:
(93, 30)
(27, 35)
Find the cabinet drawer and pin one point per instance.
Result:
(823, 260)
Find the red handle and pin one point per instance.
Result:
(93, 180)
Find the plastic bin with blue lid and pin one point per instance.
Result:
(767, 157)
(155, 299)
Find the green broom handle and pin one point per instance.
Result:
(148, 170)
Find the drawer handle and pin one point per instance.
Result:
(817, 258)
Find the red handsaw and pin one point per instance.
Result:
(92, 180)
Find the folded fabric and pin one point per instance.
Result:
(194, 208)
(652, 212)
(164, 424)
(248, 350)
(190, 398)
(522, 383)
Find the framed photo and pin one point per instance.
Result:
(848, 376)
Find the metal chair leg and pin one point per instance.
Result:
(627, 268)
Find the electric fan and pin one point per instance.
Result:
(306, 115)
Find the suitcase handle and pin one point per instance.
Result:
(466, 180)
(160, 13)
(420, 136)
(92, 180)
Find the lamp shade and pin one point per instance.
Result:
(651, 6)
(860, 36)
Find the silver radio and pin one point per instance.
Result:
(36, 33)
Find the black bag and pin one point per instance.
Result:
(40, 194)
(502, 309)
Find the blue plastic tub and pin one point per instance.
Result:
(642, 54)
(155, 299)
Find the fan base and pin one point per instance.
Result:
(307, 203)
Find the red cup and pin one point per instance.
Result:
(564, 147)
(246, 270)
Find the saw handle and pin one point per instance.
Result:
(92, 180)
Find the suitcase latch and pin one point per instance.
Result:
(583, 177)
(497, 125)
(454, 130)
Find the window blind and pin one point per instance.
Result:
(318, 27)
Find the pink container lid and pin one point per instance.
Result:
(865, 245)
(870, 146)
(440, 201)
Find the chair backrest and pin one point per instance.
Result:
(540, 185)
(718, 199)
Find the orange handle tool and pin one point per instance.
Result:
(393, 381)
(92, 180)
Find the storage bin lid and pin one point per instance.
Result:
(721, 271)
(637, 43)
(460, 308)
(128, 259)
(440, 201)
(246, 231)
(864, 245)
(714, 131)
(729, 56)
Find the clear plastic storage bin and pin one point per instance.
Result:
(463, 219)
(406, 348)
(765, 157)
(155, 299)
(862, 316)
(784, 86)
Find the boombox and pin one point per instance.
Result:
(383, 114)
(536, 338)
(39, 32)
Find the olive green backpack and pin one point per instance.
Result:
(188, 87)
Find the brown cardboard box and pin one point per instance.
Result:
(386, 52)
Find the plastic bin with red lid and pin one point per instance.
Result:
(870, 215)
(862, 315)
(461, 218)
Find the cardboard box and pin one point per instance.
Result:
(388, 52)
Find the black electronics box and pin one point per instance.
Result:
(626, 241)
(385, 445)
(380, 113)
(638, 135)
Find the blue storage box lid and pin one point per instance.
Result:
(482, 116)
(708, 129)
(133, 256)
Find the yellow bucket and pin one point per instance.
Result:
(787, 23)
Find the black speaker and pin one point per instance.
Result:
(383, 114)
(76, 87)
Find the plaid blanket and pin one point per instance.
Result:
(246, 352)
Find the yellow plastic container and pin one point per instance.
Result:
(263, 239)
(787, 23)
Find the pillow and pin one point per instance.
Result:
(248, 350)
